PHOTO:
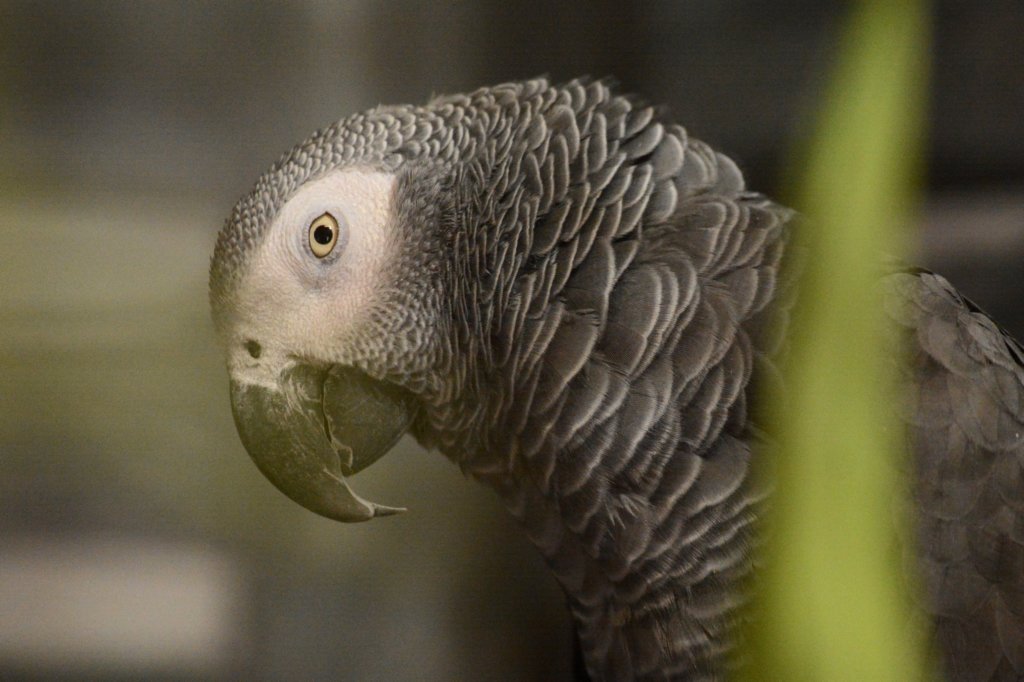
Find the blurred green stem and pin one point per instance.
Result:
(830, 604)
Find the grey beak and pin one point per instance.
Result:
(315, 428)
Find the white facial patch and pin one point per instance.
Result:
(292, 301)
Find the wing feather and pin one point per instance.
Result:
(966, 382)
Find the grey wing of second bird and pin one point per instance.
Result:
(966, 379)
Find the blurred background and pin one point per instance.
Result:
(137, 540)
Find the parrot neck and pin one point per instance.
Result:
(611, 418)
(649, 562)
(646, 594)
(635, 489)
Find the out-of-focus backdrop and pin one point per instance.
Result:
(137, 540)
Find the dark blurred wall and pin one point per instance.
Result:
(127, 132)
(231, 85)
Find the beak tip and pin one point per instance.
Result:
(382, 510)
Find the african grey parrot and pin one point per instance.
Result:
(568, 296)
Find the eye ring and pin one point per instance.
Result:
(323, 235)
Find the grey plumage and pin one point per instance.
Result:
(964, 381)
(578, 301)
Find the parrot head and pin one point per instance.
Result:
(405, 270)
(323, 290)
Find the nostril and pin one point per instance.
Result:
(253, 348)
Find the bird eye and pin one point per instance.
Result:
(323, 235)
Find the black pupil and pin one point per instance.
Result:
(323, 234)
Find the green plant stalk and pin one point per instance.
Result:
(831, 602)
